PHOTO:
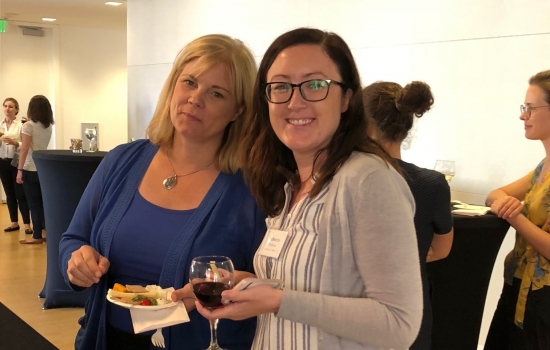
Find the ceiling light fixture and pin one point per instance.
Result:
(48, 19)
(113, 3)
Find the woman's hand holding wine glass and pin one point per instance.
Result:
(186, 295)
(209, 276)
(261, 299)
(10, 141)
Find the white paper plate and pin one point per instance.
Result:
(144, 307)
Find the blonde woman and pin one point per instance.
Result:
(155, 204)
(10, 133)
(522, 317)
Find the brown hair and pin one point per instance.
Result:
(267, 163)
(542, 80)
(40, 110)
(391, 108)
(11, 99)
(208, 51)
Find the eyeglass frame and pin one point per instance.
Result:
(528, 109)
(299, 86)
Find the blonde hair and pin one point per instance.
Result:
(15, 103)
(208, 51)
(542, 80)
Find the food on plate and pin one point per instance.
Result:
(130, 288)
(151, 295)
(120, 288)
(146, 301)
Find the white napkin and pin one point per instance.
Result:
(145, 320)
(471, 210)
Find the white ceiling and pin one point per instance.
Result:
(81, 13)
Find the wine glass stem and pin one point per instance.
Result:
(214, 335)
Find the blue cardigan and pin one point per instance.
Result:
(227, 222)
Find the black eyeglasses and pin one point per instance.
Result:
(528, 109)
(311, 90)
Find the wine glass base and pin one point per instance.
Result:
(215, 347)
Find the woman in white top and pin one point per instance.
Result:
(10, 136)
(36, 134)
(340, 229)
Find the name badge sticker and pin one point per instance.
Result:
(273, 243)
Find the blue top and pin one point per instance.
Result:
(145, 232)
(227, 222)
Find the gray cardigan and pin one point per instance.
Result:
(367, 262)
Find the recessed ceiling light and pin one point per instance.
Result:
(113, 3)
(47, 19)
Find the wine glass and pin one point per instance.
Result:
(446, 167)
(90, 135)
(210, 276)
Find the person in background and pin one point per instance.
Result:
(343, 216)
(522, 317)
(391, 109)
(35, 134)
(153, 205)
(10, 136)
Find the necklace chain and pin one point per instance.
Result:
(171, 181)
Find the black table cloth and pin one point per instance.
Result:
(63, 177)
(460, 281)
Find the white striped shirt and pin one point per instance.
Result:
(295, 266)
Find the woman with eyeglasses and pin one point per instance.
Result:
(522, 317)
(340, 228)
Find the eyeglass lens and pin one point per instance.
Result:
(311, 90)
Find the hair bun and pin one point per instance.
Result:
(415, 98)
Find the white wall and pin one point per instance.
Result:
(82, 71)
(27, 63)
(476, 54)
(94, 84)
(27, 68)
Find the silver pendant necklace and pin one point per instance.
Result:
(171, 181)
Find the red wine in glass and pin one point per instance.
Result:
(210, 276)
(210, 293)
